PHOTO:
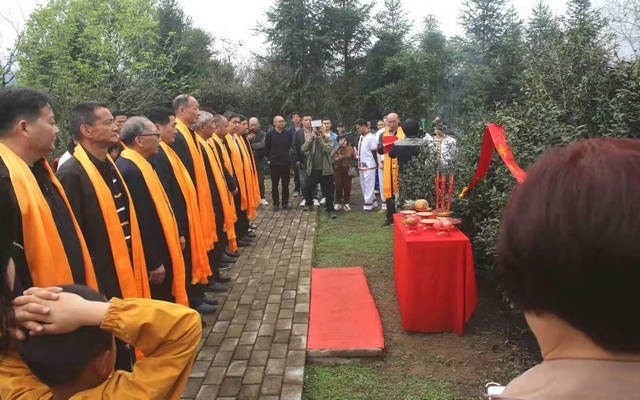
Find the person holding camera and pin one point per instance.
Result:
(317, 149)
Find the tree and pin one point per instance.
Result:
(391, 33)
(624, 17)
(83, 50)
(301, 49)
(347, 24)
(493, 48)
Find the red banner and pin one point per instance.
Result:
(494, 138)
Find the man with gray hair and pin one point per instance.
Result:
(158, 227)
(256, 138)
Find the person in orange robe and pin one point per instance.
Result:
(390, 184)
(158, 227)
(245, 206)
(48, 248)
(102, 204)
(218, 143)
(187, 109)
(183, 197)
(221, 196)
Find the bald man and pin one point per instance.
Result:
(389, 185)
(278, 143)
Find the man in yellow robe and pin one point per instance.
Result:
(390, 185)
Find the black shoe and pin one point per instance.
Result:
(205, 308)
(226, 259)
(276, 207)
(285, 207)
(216, 287)
(252, 226)
(210, 300)
(224, 266)
(387, 223)
(251, 234)
(243, 243)
(222, 279)
(230, 253)
(306, 208)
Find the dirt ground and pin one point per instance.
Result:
(496, 345)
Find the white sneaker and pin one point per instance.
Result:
(337, 207)
(264, 202)
(303, 203)
(316, 202)
(346, 207)
(384, 206)
(323, 200)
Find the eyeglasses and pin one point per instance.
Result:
(157, 135)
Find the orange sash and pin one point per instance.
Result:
(238, 167)
(167, 220)
(390, 169)
(208, 220)
(252, 177)
(225, 154)
(132, 276)
(200, 269)
(44, 251)
(226, 198)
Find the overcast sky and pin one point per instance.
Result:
(222, 18)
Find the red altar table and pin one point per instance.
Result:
(434, 278)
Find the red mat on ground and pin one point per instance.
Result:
(343, 314)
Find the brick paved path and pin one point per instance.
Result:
(254, 347)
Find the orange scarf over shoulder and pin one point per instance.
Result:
(254, 172)
(390, 169)
(226, 161)
(167, 220)
(242, 166)
(43, 248)
(132, 273)
(238, 168)
(208, 220)
(200, 268)
(228, 206)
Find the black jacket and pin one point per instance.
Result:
(84, 204)
(156, 252)
(61, 217)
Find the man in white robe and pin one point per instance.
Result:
(367, 165)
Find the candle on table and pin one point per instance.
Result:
(443, 191)
(450, 190)
(437, 188)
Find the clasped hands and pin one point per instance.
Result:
(51, 311)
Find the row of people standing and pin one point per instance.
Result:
(161, 221)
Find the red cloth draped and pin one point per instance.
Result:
(494, 138)
(434, 278)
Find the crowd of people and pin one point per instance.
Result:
(317, 156)
(168, 215)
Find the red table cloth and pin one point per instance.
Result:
(434, 278)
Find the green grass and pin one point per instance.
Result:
(363, 380)
(358, 239)
(353, 239)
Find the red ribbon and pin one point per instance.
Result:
(494, 138)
